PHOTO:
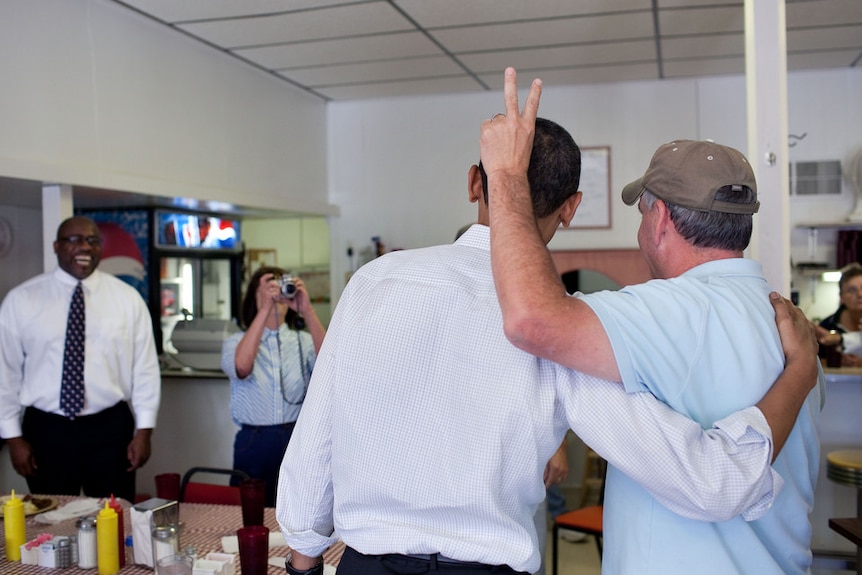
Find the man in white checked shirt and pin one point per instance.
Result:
(424, 434)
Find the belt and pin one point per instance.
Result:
(435, 561)
(108, 411)
(437, 558)
(287, 425)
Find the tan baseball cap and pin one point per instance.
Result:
(688, 173)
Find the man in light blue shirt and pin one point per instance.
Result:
(701, 338)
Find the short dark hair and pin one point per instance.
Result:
(554, 173)
(76, 219)
(849, 272)
(249, 301)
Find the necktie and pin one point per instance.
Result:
(72, 389)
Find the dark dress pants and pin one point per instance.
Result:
(355, 563)
(258, 450)
(87, 453)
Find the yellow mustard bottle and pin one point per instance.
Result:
(13, 522)
(107, 548)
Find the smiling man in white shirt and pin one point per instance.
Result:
(98, 448)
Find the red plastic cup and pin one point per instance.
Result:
(168, 486)
(252, 493)
(253, 549)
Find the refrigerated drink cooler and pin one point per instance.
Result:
(187, 266)
(200, 266)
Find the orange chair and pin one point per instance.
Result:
(586, 519)
(198, 492)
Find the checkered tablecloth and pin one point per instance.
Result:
(202, 526)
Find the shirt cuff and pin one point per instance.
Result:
(10, 429)
(746, 427)
(145, 419)
(309, 543)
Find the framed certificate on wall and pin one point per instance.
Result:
(595, 209)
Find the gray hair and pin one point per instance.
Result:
(712, 229)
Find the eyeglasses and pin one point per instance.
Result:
(80, 240)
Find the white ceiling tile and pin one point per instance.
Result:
(704, 67)
(687, 3)
(823, 13)
(809, 60)
(562, 31)
(352, 20)
(445, 13)
(592, 75)
(342, 51)
(565, 56)
(701, 21)
(181, 10)
(396, 89)
(375, 72)
(372, 48)
(825, 38)
(703, 46)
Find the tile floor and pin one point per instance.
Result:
(581, 558)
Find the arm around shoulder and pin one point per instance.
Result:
(781, 404)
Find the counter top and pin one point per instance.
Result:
(843, 374)
(850, 527)
(843, 370)
(189, 373)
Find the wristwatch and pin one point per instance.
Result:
(291, 570)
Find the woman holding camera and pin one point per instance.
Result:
(269, 366)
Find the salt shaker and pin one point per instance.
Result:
(87, 550)
(165, 542)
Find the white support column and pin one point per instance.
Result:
(56, 207)
(766, 86)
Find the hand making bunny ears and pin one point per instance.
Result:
(506, 140)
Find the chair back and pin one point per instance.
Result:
(202, 492)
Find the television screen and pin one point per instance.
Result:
(179, 230)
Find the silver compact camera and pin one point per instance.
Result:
(287, 286)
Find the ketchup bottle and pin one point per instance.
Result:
(121, 537)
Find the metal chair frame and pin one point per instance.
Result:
(211, 492)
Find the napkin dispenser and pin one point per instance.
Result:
(147, 515)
